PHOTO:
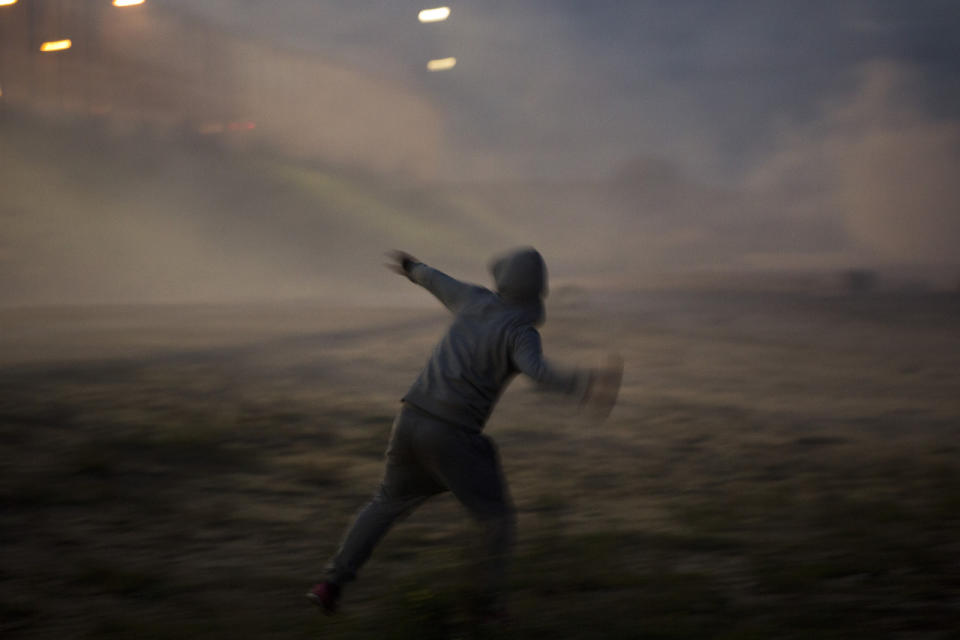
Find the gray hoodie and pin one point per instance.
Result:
(492, 338)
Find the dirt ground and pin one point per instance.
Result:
(779, 466)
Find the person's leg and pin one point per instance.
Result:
(404, 487)
(369, 527)
(469, 465)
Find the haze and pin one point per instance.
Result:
(232, 150)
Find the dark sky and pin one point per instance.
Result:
(795, 134)
(625, 139)
(566, 88)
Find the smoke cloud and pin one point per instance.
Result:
(879, 163)
(627, 141)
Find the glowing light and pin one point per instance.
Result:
(6, 3)
(441, 64)
(127, 3)
(56, 45)
(439, 14)
(245, 125)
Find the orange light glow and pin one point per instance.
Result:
(6, 3)
(441, 64)
(127, 3)
(439, 14)
(245, 125)
(56, 45)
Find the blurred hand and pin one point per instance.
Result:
(602, 394)
(399, 259)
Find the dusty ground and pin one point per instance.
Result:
(778, 467)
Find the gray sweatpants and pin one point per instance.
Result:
(427, 456)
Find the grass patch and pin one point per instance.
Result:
(17, 613)
(368, 441)
(177, 501)
(211, 448)
(318, 475)
(122, 581)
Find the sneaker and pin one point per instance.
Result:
(325, 595)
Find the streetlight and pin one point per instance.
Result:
(127, 3)
(7, 3)
(441, 64)
(56, 45)
(438, 14)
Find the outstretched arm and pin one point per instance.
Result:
(528, 358)
(596, 389)
(450, 291)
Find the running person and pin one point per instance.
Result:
(437, 443)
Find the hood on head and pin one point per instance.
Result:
(520, 275)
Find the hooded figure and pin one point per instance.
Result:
(436, 444)
(492, 338)
(521, 278)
